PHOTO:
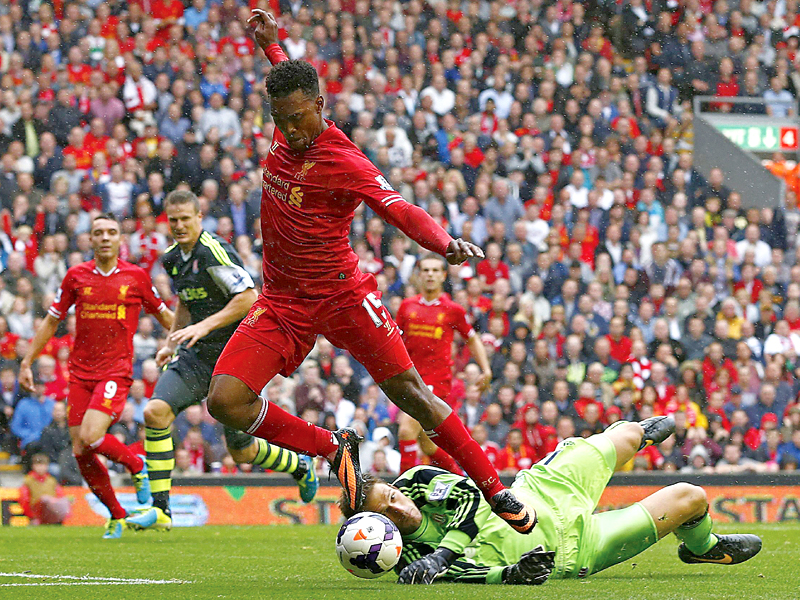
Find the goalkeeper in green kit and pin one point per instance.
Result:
(450, 533)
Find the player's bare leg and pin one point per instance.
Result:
(234, 404)
(410, 394)
(675, 505)
(629, 438)
(626, 437)
(682, 509)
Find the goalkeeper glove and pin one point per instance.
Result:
(428, 568)
(533, 568)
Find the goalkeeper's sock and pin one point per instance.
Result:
(443, 460)
(279, 427)
(452, 437)
(96, 476)
(408, 454)
(696, 534)
(279, 459)
(160, 462)
(110, 447)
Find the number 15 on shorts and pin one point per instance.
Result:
(372, 304)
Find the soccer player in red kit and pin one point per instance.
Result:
(108, 294)
(428, 322)
(313, 181)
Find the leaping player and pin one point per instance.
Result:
(314, 179)
(108, 294)
(428, 322)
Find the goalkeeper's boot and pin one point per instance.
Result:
(729, 550)
(152, 518)
(141, 481)
(346, 467)
(656, 430)
(308, 481)
(520, 517)
(114, 529)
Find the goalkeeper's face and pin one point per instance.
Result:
(390, 502)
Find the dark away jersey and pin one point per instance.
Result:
(205, 281)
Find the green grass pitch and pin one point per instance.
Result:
(294, 562)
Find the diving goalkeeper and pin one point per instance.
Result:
(450, 533)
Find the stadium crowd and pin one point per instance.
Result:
(618, 282)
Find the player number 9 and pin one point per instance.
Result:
(110, 390)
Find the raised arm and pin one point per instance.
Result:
(266, 35)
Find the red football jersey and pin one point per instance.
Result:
(428, 329)
(308, 201)
(107, 314)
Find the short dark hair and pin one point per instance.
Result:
(177, 197)
(436, 257)
(289, 76)
(108, 216)
(369, 483)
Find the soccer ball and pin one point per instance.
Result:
(368, 545)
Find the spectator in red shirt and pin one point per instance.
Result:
(516, 456)
(490, 449)
(242, 44)
(541, 439)
(77, 70)
(95, 140)
(620, 343)
(727, 84)
(714, 361)
(492, 268)
(78, 148)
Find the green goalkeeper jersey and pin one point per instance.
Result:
(564, 489)
(456, 516)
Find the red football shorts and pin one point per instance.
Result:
(107, 395)
(279, 332)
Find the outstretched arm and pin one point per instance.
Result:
(419, 225)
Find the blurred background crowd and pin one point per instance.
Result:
(618, 282)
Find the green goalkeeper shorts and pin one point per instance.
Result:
(570, 482)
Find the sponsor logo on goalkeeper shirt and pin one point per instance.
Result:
(440, 491)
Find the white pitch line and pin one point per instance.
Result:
(67, 583)
(84, 580)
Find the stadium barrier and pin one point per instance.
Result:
(259, 500)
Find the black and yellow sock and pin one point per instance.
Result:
(279, 459)
(160, 462)
(697, 536)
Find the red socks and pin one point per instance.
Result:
(452, 437)
(283, 429)
(443, 460)
(408, 455)
(96, 477)
(110, 447)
